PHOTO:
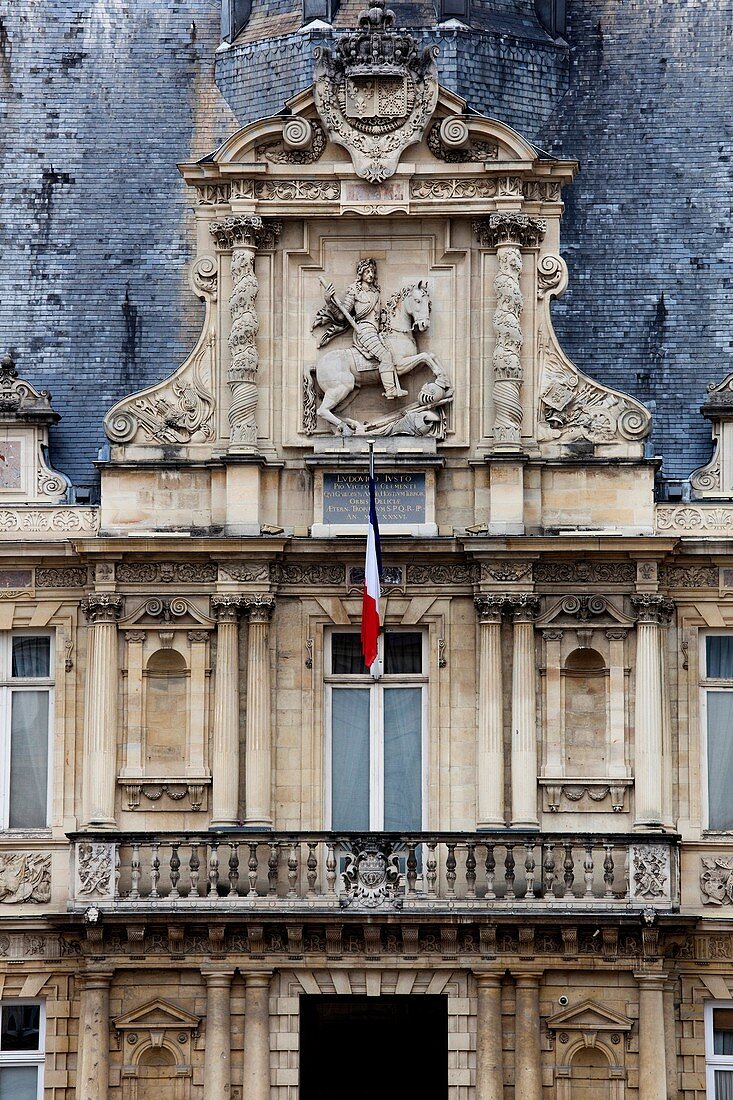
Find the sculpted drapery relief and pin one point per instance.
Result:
(383, 349)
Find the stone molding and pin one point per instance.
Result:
(102, 607)
(687, 519)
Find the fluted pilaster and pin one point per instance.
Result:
(258, 745)
(225, 738)
(490, 747)
(652, 611)
(524, 713)
(102, 611)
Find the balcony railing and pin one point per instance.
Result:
(429, 872)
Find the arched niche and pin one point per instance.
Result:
(157, 1041)
(585, 713)
(166, 708)
(589, 1079)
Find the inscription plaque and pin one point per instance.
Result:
(400, 498)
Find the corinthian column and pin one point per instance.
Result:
(649, 762)
(225, 738)
(92, 1074)
(258, 745)
(652, 1051)
(102, 611)
(527, 1064)
(256, 1084)
(489, 1038)
(218, 1049)
(490, 747)
(508, 233)
(243, 236)
(524, 714)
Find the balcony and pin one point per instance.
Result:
(431, 873)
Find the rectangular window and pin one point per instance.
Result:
(719, 1049)
(22, 1025)
(377, 733)
(26, 688)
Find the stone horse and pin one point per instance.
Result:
(339, 372)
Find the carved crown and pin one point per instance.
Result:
(376, 48)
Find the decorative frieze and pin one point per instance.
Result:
(440, 573)
(307, 573)
(166, 572)
(689, 518)
(499, 187)
(584, 572)
(50, 522)
(689, 576)
(255, 571)
(67, 577)
(510, 572)
(25, 877)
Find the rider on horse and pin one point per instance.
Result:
(362, 304)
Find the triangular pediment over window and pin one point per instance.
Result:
(157, 1014)
(589, 1016)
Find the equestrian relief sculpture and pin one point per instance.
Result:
(384, 349)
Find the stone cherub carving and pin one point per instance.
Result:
(384, 349)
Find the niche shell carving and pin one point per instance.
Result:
(376, 92)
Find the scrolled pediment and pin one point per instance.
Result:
(590, 610)
(589, 1016)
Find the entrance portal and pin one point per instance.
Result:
(390, 1046)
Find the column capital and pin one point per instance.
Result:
(488, 978)
(245, 231)
(524, 607)
(256, 979)
(102, 607)
(490, 607)
(258, 608)
(226, 608)
(651, 608)
(97, 979)
(135, 637)
(527, 979)
(218, 979)
(652, 980)
(519, 230)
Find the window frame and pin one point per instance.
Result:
(9, 685)
(714, 1061)
(13, 1059)
(376, 684)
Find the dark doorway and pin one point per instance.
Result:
(362, 1047)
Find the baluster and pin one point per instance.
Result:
(411, 870)
(293, 870)
(135, 872)
(214, 868)
(549, 870)
(490, 865)
(252, 869)
(588, 870)
(568, 871)
(272, 866)
(432, 869)
(627, 872)
(529, 866)
(233, 869)
(509, 875)
(312, 869)
(175, 870)
(154, 868)
(471, 871)
(608, 870)
(331, 867)
(450, 872)
(117, 870)
(194, 864)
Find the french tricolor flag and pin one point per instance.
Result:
(372, 573)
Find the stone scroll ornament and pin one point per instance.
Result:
(376, 92)
(572, 407)
(244, 235)
(180, 409)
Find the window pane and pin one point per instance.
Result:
(719, 656)
(28, 759)
(346, 655)
(31, 657)
(20, 1027)
(720, 758)
(723, 1031)
(402, 758)
(402, 652)
(350, 779)
(723, 1084)
(19, 1083)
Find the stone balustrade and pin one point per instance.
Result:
(433, 872)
